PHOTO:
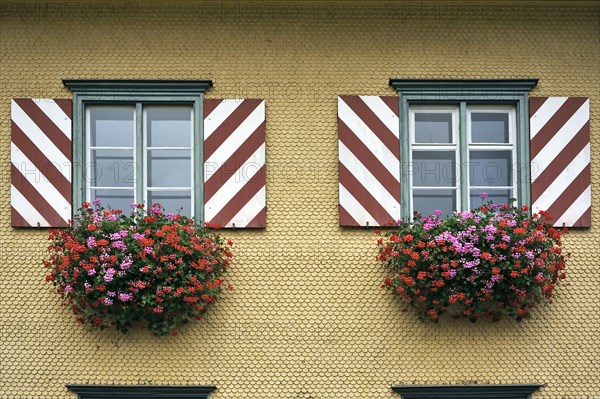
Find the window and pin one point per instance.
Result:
(513, 391)
(452, 163)
(459, 138)
(139, 141)
(142, 391)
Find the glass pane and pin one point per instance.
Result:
(433, 127)
(490, 168)
(172, 201)
(496, 196)
(427, 201)
(434, 168)
(111, 126)
(488, 127)
(169, 168)
(115, 199)
(111, 168)
(169, 126)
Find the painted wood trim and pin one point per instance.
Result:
(142, 391)
(121, 88)
(449, 86)
(405, 169)
(135, 92)
(509, 391)
(463, 148)
(139, 146)
(79, 145)
(198, 154)
(474, 91)
(523, 154)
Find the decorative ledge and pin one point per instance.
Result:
(462, 85)
(512, 391)
(142, 391)
(164, 87)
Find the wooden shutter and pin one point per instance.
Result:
(560, 159)
(40, 162)
(369, 160)
(234, 163)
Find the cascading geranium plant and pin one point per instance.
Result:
(149, 268)
(490, 262)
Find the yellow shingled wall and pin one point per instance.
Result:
(306, 318)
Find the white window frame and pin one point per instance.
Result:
(455, 144)
(512, 145)
(462, 149)
(140, 157)
(193, 164)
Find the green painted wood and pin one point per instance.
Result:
(123, 88)
(142, 391)
(523, 157)
(463, 150)
(136, 92)
(405, 197)
(78, 160)
(443, 86)
(474, 92)
(139, 153)
(198, 154)
(508, 391)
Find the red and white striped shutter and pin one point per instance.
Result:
(560, 159)
(369, 160)
(234, 163)
(40, 162)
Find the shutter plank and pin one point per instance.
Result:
(369, 160)
(560, 159)
(234, 163)
(41, 148)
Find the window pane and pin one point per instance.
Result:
(111, 168)
(496, 196)
(115, 199)
(169, 126)
(111, 126)
(169, 168)
(427, 201)
(172, 201)
(433, 127)
(434, 168)
(489, 127)
(490, 168)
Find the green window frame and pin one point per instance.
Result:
(462, 94)
(138, 93)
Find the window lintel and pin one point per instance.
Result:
(137, 87)
(142, 391)
(506, 391)
(457, 88)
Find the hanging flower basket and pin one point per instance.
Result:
(148, 268)
(490, 262)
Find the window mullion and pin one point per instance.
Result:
(198, 159)
(463, 144)
(139, 160)
(521, 135)
(405, 166)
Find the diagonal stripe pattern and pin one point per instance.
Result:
(41, 162)
(369, 160)
(234, 163)
(560, 159)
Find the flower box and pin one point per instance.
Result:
(150, 268)
(491, 262)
